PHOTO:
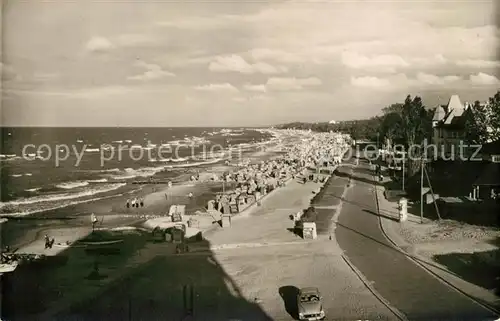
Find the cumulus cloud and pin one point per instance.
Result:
(261, 88)
(430, 79)
(224, 87)
(236, 63)
(276, 55)
(478, 63)
(277, 83)
(384, 62)
(483, 79)
(424, 80)
(99, 44)
(370, 81)
(153, 72)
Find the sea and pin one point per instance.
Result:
(50, 168)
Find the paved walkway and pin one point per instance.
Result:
(406, 285)
(250, 271)
(392, 230)
(271, 261)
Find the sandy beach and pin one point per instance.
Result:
(66, 266)
(25, 235)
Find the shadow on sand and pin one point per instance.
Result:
(144, 280)
(289, 295)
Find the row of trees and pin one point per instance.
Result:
(410, 122)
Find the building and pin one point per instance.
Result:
(448, 124)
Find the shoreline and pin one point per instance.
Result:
(60, 274)
(19, 232)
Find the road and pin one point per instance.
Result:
(408, 287)
(250, 271)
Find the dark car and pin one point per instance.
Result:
(310, 305)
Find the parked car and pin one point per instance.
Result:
(310, 305)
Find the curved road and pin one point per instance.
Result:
(407, 287)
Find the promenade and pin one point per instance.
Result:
(407, 286)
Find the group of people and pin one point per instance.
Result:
(268, 175)
(135, 202)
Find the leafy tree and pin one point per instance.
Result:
(391, 124)
(476, 124)
(494, 106)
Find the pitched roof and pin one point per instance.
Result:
(455, 108)
(439, 113)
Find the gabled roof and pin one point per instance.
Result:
(455, 109)
(439, 113)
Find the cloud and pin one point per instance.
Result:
(369, 81)
(99, 44)
(224, 87)
(291, 83)
(430, 79)
(276, 55)
(153, 72)
(134, 39)
(261, 88)
(236, 63)
(385, 62)
(483, 79)
(424, 81)
(478, 63)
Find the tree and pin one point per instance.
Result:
(416, 124)
(494, 109)
(476, 124)
(391, 124)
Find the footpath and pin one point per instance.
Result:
(423, 240)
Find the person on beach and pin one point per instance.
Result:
(190, 195)
(47, 241)
(128, 203)
(133, 202)
(142, 201)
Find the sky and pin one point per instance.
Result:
(238, 62)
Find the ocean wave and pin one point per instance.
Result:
(48, 207)
(129, 173)
(9, 157)
(100, 180)
(178, 160)
(71, 185)
(110, 170)
(36, 189)
(208, 162)
(63, 196)
(19, 175)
